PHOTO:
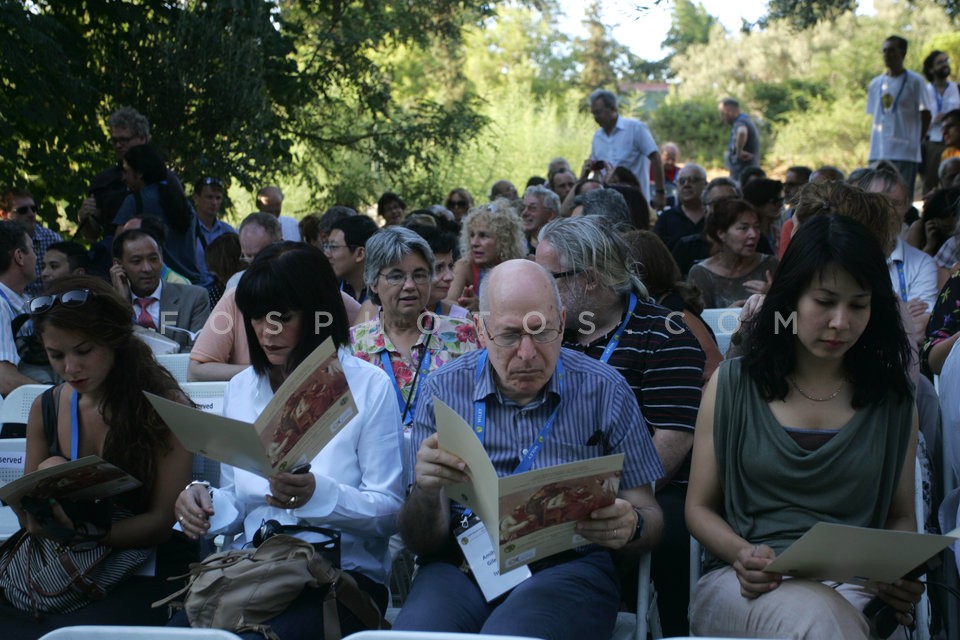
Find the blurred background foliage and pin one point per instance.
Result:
(340, 100)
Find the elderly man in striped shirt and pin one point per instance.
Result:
(540, 405)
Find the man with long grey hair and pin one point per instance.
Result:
(609, 317)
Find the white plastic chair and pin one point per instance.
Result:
(631, 626)
(16, 406)
(138, 633)
(176, 364)
(422, 635)
(208, 396)
(13, 453)
(723, 323)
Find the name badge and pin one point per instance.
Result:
(477, 549)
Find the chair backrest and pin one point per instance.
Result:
(175, 363)
(723, 323)
(208, 396)
(16, 406)
(13, 453)
(138, 633)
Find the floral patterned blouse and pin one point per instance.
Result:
(443, 339)
(944, 320)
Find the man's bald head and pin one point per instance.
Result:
(270, 200)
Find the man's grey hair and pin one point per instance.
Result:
(130, 118)
(547, 197)
(587, 245)
(484, 295)
(607, 97)
(720, 182)
(884, 173)
(269, 223)
(608, 204)
(700, 171)
(386, 248)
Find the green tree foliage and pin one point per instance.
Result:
(598, 52)
(801, 14)
(690, 25)
(695, 125)
(246, 89)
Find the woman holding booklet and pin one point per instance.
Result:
(814, 423)
(290, 304)
(100, 410)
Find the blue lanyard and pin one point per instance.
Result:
(407, 407)
(480, 418)
(896, 100)
(74, 426)
(439, 309)
(615, 338)
(903, 280)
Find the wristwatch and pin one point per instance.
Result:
(638, 532)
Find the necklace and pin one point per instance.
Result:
(806, 395)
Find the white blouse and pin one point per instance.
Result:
(358, 474)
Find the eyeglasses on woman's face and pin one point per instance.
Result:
(396, 277)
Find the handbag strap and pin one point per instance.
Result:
(48, 412)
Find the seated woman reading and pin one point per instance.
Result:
(101, 410)
(354, 483)
(815, 423)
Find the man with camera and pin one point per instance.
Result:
(623, 142)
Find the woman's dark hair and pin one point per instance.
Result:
(388, 198)
(658, 269)
(440, 241)
(724, 215)
(276, 283)
(578, 187)
(136, 434)
(639, 209)
(942, 203)
(877, 364)
(928, 63)
(623, 175)
(145, 160)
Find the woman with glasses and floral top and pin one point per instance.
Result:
(407, 339)
(101, 410)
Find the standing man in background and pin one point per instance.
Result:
(270, 200)
(897, 101)
(943, 97)
(623, 142)
(743, 150)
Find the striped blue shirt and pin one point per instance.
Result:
(598, 408)
(12, 304)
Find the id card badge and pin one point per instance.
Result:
(482, 558)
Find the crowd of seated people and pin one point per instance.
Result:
(438, 300)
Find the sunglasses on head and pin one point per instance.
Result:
(74, 298)
(211, 181)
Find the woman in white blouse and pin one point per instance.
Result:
(291, 304)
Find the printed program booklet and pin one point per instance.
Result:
(858, 555)
(89, 478)
(306, 412)
(530, 515)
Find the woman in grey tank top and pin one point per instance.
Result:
(815, 423)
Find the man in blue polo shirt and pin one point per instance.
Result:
(528, 390)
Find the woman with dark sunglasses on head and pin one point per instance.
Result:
(101, 410)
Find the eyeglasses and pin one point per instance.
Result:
(329, 246)
(459, 204)
(25, 209)
(689, 180)
(397, 278)
(565, 274)
(512, 338)
(73, 298)
(118, 140)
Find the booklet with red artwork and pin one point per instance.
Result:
(89, 478)
(530, 515)
(858, 555)
(305, 413)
